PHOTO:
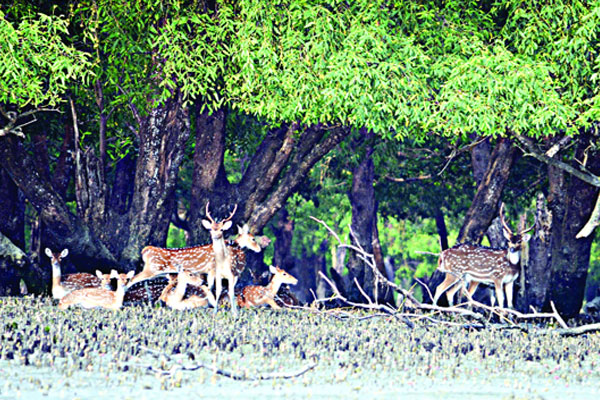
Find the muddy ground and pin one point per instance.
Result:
(145, 352)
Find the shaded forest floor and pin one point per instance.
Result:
(148, 352)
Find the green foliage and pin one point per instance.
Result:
(175, 237)
(334, 211)
(402, 69)
(594, 268)
(37, 66)
(562, 34)
(402, 240)
(325, 62)
(494, 91)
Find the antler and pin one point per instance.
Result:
(504, 224)
(208, 213)
(530, 228)
(231, 215)
(225, 220)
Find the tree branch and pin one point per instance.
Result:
(581, 173)
(13, 117)
(228, 374)
(592, 223)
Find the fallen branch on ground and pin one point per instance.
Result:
(217, 371)
(407, 295)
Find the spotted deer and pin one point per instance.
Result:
(146, 291)
(174, 298)
(474, 264)
(224, 263)
(252, 296)
(61, 285)
(197, 259)
(98, 297)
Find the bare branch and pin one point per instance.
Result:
(455, 151)
(228, 374)
(335, 235)
(428, 252)
(592, 223)
(132, 107)
(582, 174)
(13, 117)
(558, 317)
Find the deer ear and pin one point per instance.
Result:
(526, 237)
(48, 252)
(227, 225)
(246, 228)
(64, 253)
(273, 269)
(130, 274)
(206, 224)
(99, 274)
(114, 274)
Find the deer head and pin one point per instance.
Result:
(216, 229)
(246, 239)
(515, 240)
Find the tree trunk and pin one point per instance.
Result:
(313, 145)
(485, 204)
(163, 135)
(12, 210)
(535, 277)
(480, 160)
(571, 202)
(64, 165)
(62, 229)
(362, 199)
(12, 263)
(209, 179)
(279, 166)
(440, 224)
(283, 230)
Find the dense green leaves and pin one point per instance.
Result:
(400, 68)
(37, 65)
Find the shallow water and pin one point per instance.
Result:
(48, 353)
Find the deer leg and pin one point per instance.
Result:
(471, 289)
(442, 287)
(231, 281)
(218, 290)
(452, 291)
(145, 274)
(210, 279)
(508, 288)
(499, 294)
(273, 304)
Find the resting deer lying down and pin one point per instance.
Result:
(61, 285)
(174, 298)
(252, 296)
(98, 297)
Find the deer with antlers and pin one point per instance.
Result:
(252, 296)
(62, 285)
(98, 297)
(478, 264)
(197, 259)
(224, 263)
